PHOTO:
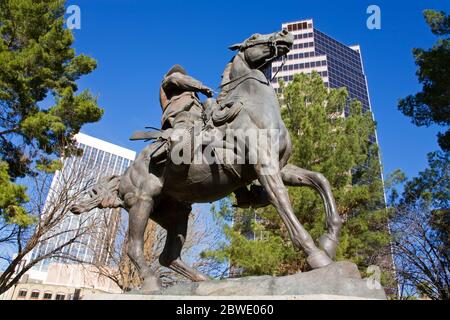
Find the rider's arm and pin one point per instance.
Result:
(186, 83)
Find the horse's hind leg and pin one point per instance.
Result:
(295, 176)
(176, 223)
(138, 219)
(279, 198)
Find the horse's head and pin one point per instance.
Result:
(260, 49)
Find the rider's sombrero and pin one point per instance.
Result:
(174, 69)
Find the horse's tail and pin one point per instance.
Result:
(105, 194)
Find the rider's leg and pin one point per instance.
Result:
(256, 197)
(243, 197)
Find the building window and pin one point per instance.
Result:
(60, 296)
(47, 296)
(297, 26)
(22, 294)
(34, 294)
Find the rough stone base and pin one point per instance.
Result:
(338, 281)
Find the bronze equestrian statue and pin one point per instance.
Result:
(156, 187)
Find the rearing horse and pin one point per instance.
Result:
(165, 193)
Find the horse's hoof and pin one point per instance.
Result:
(328, 245)
(134, 291)
(319, 259)
(201, 277)
(150, 284)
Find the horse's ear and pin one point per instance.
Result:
(235, 46)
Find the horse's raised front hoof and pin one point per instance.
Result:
(319, 259)
(328, 245)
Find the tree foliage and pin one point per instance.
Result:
(37, 62)
(341, 148)
(420, 227)
(40, 109)
(420, 212)
(12, 197)
(432, 104)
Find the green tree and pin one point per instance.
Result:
(432, 104)
(40, 110)
(420, 227)
(12, 198)
(341, 148)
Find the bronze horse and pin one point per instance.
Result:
(166, 192)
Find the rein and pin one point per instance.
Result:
(235, 79)
(279, 68)
(247, 76)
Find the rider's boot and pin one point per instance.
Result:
(256, 197)
(243, 198)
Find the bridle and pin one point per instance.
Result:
(272, 43)
(280, 67)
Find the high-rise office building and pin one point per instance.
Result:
(99, 159)
(339, 65)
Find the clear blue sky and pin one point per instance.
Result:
(135, 43)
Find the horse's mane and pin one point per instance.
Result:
(225, 78)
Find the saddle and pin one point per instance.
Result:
(160, 147)
(214, 116)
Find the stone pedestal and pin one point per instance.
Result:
(340, 281)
